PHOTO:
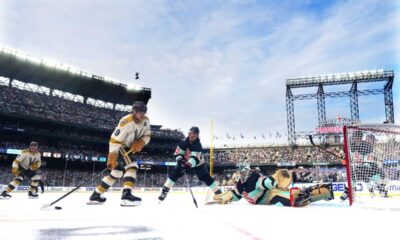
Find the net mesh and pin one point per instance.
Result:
(373, 171)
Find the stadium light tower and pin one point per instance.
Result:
(354, 78)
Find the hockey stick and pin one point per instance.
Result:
(323, 149)
(73, 190)
(187, 182)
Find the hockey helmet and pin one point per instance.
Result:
(195, 130)
(139, 106)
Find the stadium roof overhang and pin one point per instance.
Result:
(344, 78)
(68, 79)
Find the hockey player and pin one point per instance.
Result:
(27, 165)
(273, 190)
(128, 138)
(365, 168)
(188, 157)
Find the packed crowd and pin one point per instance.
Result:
(302, 154)
(70, 178)
(319, 174)
(39, 105)
(85, 153)
(232, 156)
(65, 148)
(73, 177)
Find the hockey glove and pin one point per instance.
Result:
(137, 145)
(183, 163)
(35, 166)
(112, 160)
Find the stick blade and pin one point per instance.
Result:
(45, 206)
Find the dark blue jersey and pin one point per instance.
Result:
(190, 150)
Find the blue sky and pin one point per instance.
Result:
(221, 60)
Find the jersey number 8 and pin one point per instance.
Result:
(117, 132)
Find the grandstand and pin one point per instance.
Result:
(70, 113)
(57, 106)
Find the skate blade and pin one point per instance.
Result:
(94, 203)
(33, 197)
(5, 198)
(211, 202)
(126, 203)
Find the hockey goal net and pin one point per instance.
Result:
(372, 165)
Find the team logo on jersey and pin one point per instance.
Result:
(248, 198)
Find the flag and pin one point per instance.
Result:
(263, 136)
(241, 135)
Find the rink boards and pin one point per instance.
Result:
(393, 188)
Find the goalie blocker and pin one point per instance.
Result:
(273, 190)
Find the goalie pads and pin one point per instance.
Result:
(283, 177)
(224, 198)
(279, 197)
(302, 197)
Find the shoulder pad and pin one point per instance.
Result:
(125, 120)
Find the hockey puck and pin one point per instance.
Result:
(58, 208)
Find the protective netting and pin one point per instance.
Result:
(373, 164)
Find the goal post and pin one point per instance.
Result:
(372, 153)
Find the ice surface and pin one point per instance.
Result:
(177, 218)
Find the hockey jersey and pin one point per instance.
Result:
(27, 160)
(129, 131)
(191, 151)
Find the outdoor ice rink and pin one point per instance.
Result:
(177, 218)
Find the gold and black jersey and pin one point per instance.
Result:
(28, 160)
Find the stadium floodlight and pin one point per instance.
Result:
(49, 62)
(8, 50)
(34, 59)
(111, 80)
(74, 71)
(21, 55)
(132, 86)
(344, 78)
(85, 74)
(63, 67)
